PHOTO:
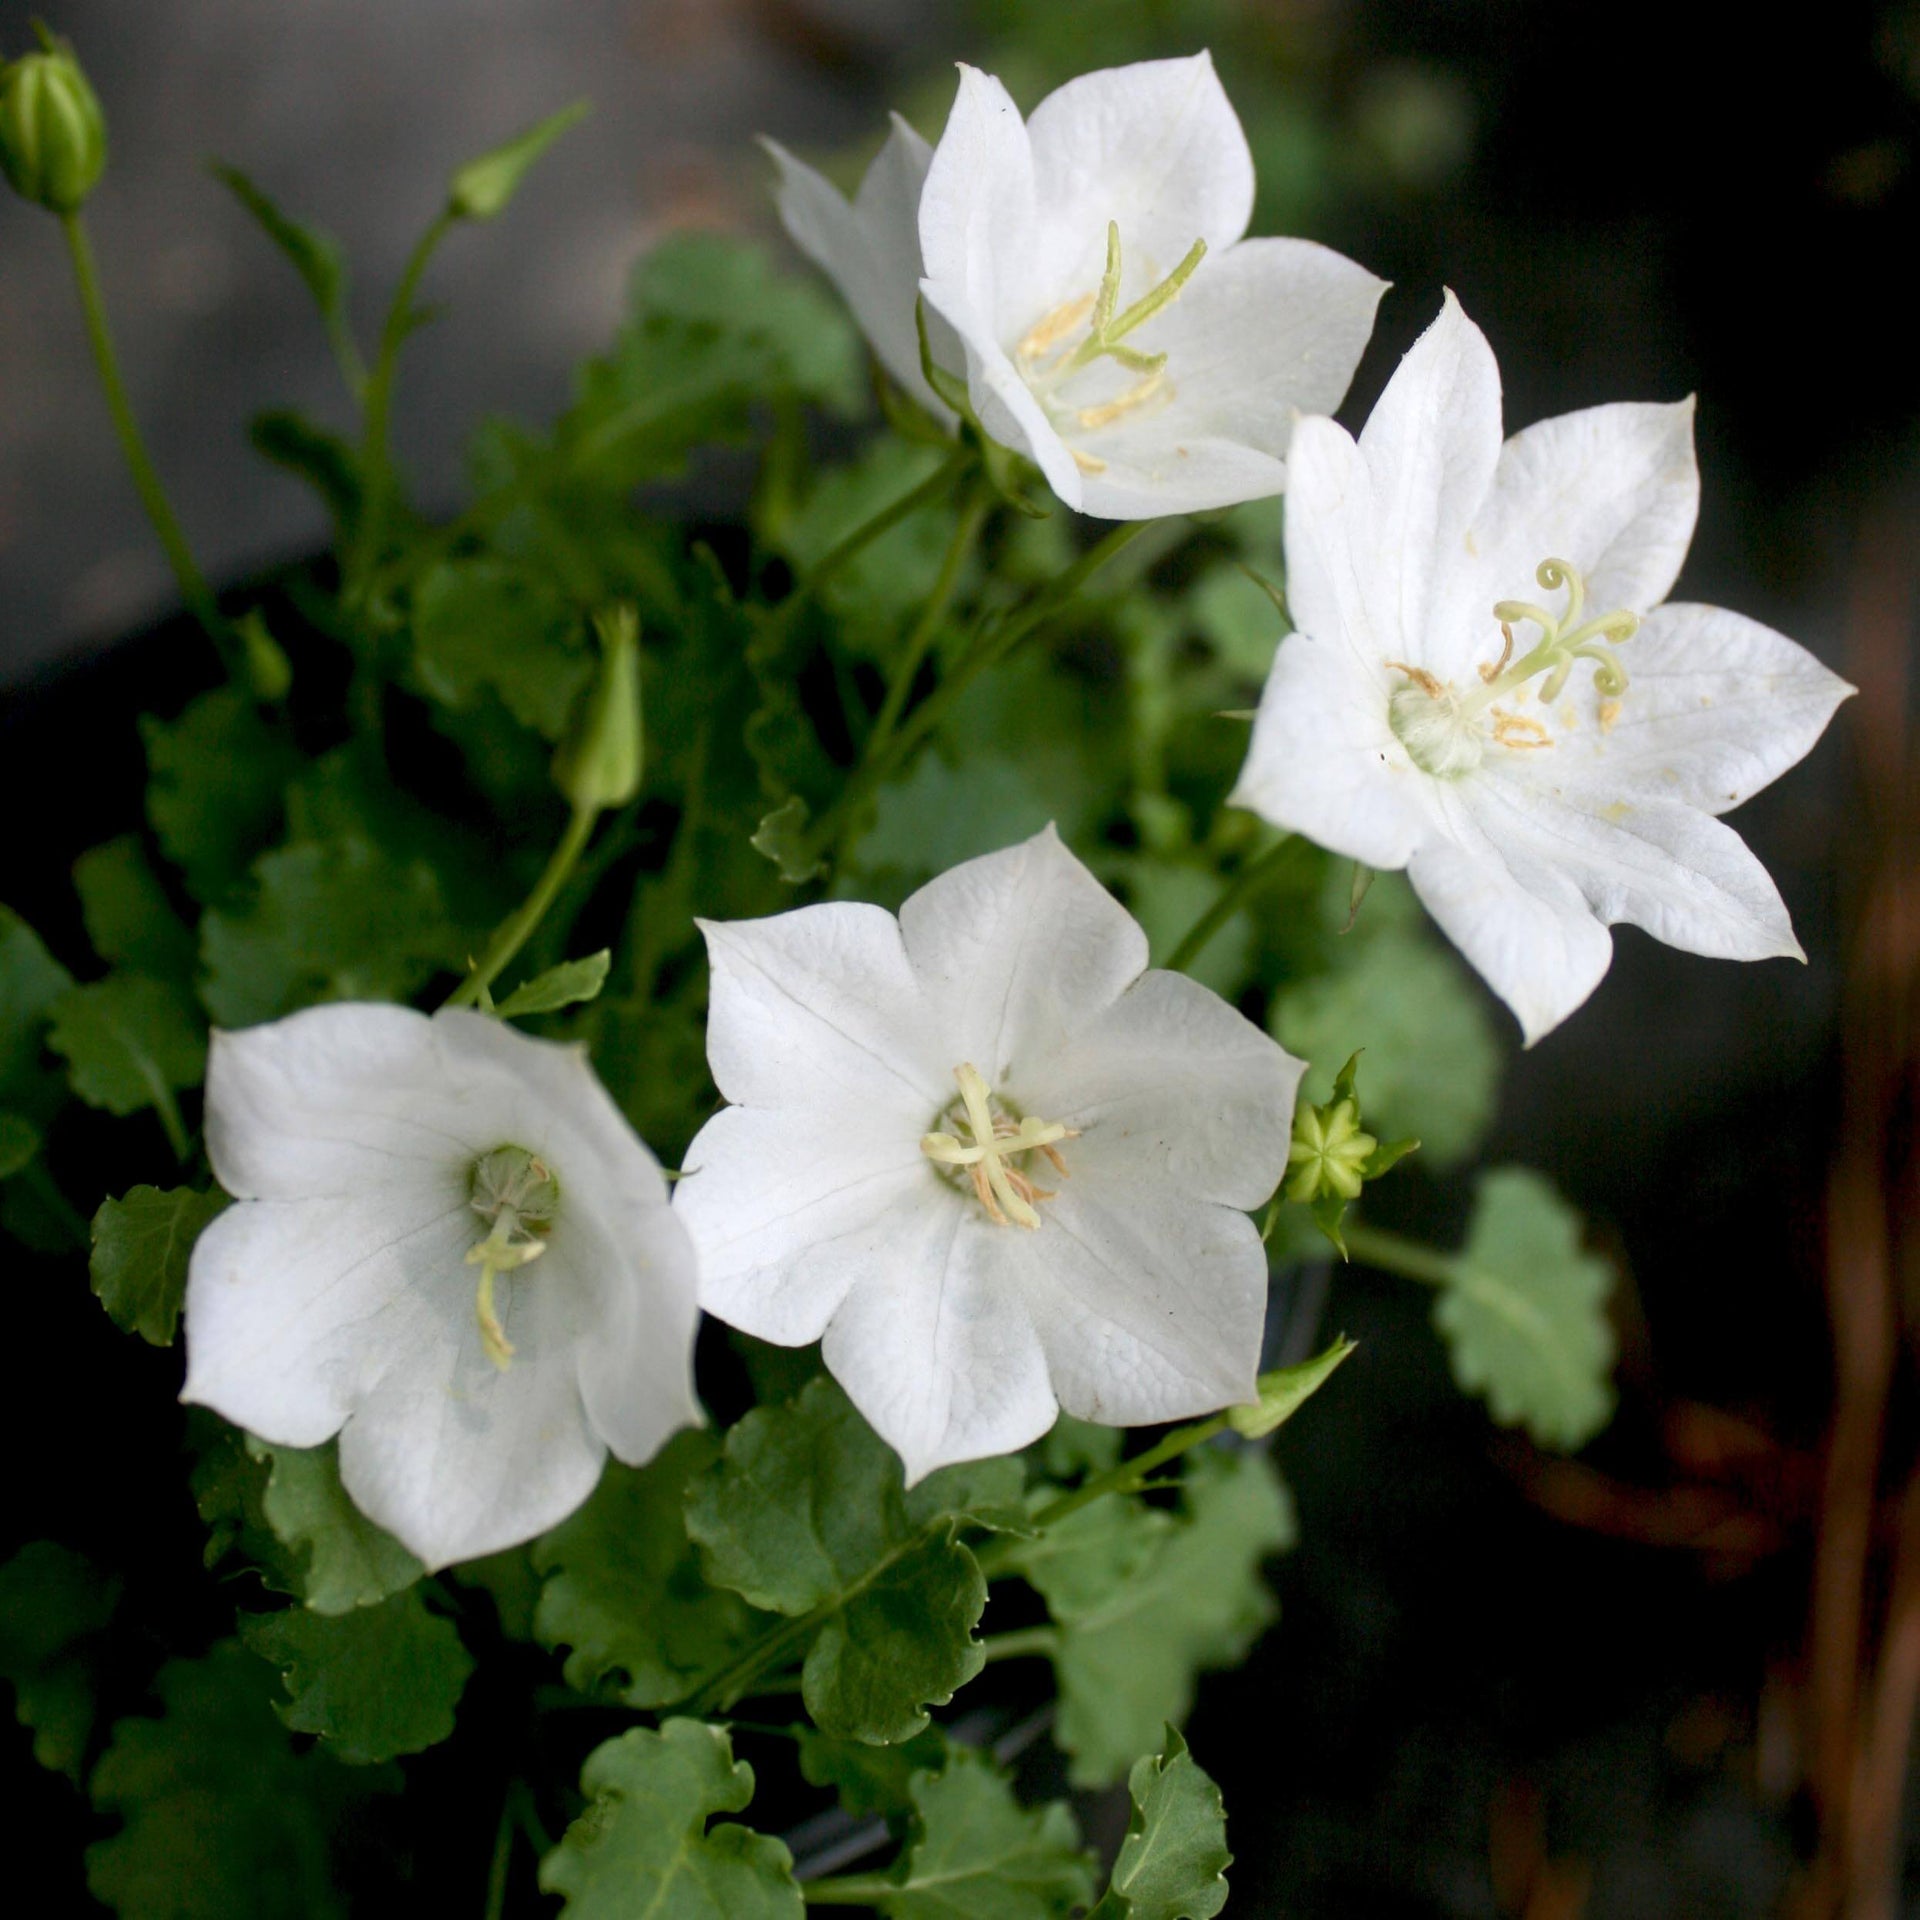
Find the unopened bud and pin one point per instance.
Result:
(602, 759)
(483, 187)
(1330, 1152)
(53, 135)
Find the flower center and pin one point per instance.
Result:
(1445, 732)
(1067, 341)
(995, 1139)
(515, 1192)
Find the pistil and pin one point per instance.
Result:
(517, 1194)
(1007, 1194)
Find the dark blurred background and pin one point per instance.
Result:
(1503, 1685)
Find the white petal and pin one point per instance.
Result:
(939, 1352)
(1431, 445)
(458, 1458)
(1324, 762)
(1718, 707)
(1171, 1086)
(791, 1210)
(1613, 490)
(340, 1099)
(1518, 918)
(1015, 952)
(1150, 1304)
(818, 1009)
(296, 1307)
(1156, 147)
(870, 249)
(977, 214)
(1663, 865)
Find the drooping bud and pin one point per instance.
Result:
(53, 135)
(1285, 1390)
(483, 187)
(602, 759)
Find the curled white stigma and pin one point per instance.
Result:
(515, 1192)
(996, 1141)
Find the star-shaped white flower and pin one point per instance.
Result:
(1486, 688)
(1116, 327)
(450, 1250)
(995, 1162)
(870, 248)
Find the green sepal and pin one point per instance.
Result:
(483, 187)
(623, 1591)
(1172, 1864)
(372, 1684)
(141, 1246)
(1285, 1390)
(644, 1846)
(569, 984)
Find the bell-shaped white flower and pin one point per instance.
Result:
(870, 248)
(1116, 327)
(1486, 689)
(450, 1250)
(995, 1163)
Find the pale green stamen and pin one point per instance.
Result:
(1007, 1193)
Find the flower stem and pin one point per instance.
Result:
(376, 451)
(517, 928)
(1392, 1254)
(973, 516)
(1233, 896)
(146, 478)
(849, 549)
(849, 1890)
(1021, 1644)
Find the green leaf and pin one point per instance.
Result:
(19, 1142)
(1146, 1599)
(566, 985)
(1236, 615)
(130, 920)
(141, 1245)
(373, 1684)
(229, 1482)
(219, 1815)
(337, 919)
(327, 463)
(870, 1780)
(806, 1514)
(54, 1605)
(216, 787)
(348, 1561)
(482, 624)
(643, 1845)
(483, 187)
(1173, 1862)
(1524, 1313)
(977, 1854)
(314, 256)
(1432, 1059)
(624, 1590)
(129, 1042)
(782, 837)
(31, 980)
(1285, 1390)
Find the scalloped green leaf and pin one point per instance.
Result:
(1173, 1863)
(142, 1243)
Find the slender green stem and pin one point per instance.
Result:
(1021, 1644)
(146, 478)
(991, 647)
(517, 928)
(502, 1860)
(849, 549)
(849, 1890)
(42, 1182)
(966, 530)
(376, 449)
(1392, 1254)
(1233, 896)
(735, 1680)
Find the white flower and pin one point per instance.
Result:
(1116, 327)
(870, 249)
(994, 1162)
(1486, 689)
(396, 1176)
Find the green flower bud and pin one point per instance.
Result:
(1330, 1152)
(601, 761)
(53, 136)
(483, 187)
